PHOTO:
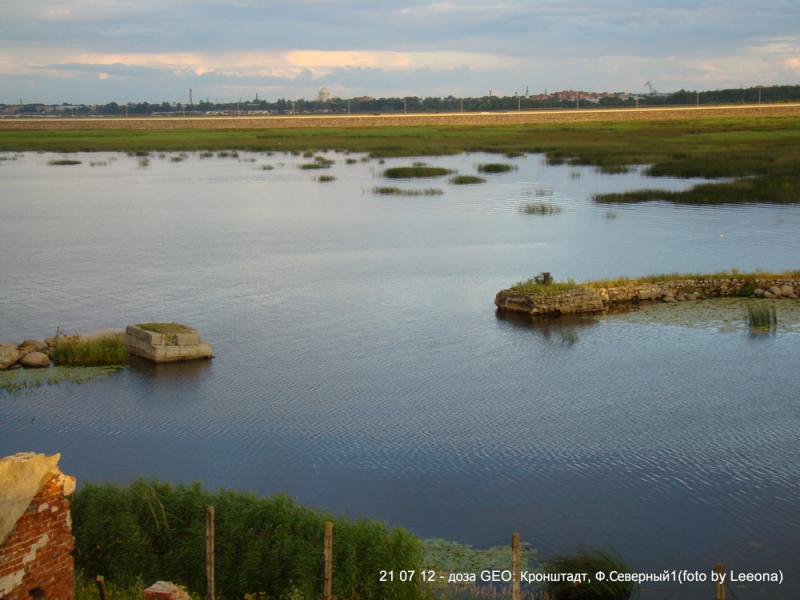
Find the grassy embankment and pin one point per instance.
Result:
(531, 287)
(760, 154)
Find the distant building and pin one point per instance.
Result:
(324, 95)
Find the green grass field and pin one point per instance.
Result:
(765, 150)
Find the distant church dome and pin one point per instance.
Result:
(324, 94)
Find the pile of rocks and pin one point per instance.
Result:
(30, 354)
(776, 291)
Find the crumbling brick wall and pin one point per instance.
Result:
(36, 556)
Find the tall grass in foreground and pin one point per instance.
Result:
(762, 319)
(84, 351)
(152, 530)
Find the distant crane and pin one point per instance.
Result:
(653, 90)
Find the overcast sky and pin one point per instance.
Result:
(102, 50)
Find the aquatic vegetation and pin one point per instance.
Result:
(63, 162)
(98, 163)
(396, 191)
(86, 351)
(350, 161)
(177, 158)
(326, 178)
(496, 168)
(762, 319)
(324, 161)
(144, 162)
(466, 179)
(416, 171)
(314, 165)
(206, 154)
(18, 380)
(453, 557)
(540, 208)
(267, 167)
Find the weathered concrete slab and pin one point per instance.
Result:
(166, 347)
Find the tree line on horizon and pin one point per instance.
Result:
(432, 104)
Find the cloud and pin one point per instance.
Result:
(59, 48)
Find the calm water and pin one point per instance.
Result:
(361, 367)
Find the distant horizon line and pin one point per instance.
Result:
(364, 97)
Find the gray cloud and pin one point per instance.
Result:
(92, 50)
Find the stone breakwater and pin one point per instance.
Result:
(591, 299)
(30, 354)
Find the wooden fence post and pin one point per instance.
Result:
(211, 592)
(327, 582)
(719, 569)
(101, 586)
(515, 567)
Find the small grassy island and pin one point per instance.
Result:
(542, 295)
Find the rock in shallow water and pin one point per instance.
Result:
(35, 360)
(8, 355)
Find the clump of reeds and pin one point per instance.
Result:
(416, 171)
(178, 158)
(98, 163)
(540, 208)
(574, 174)
(63, 162)
(326, 178)
(350, 161)
(206, 154)
(495, 168)
(89, 351)
(762, 319)
(314, 165)
(324, 161)
(144, 162)
(396, 191)
(267, 167)
(466, 179)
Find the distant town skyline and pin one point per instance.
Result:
(91, 51)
